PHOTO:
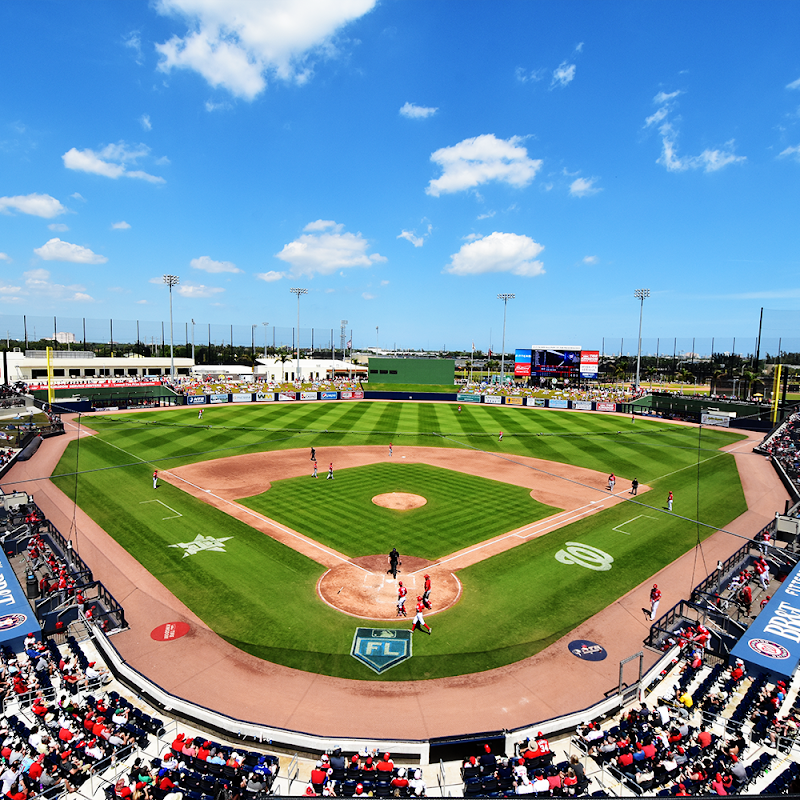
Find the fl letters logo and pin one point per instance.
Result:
(381, 648)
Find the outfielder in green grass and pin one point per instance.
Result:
(235, 577)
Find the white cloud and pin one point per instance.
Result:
(487, 215)
(708, 160)
(656, 117)
(563, 74)
(10, 289)
(579, 47)
(211, 106)
(583, 187)
(368, 296)
(56, 250)
(485, 158)
(409, 236)
(665, 97)
(144, 121)
(111, 162)
(384, 283)
(37, 205)
(413, 111)
(58, 227)
(38, 283)
(328, 251)
(209, 265)
(235, 44)
(590, 259)
(134, 41)
(78, 196)
(523, 76)
(120, 226)
(791, 151)
(197, 290)
(498, 252)
(270, 276)
(141, 302)
(5, 257)
(793, 84)
(471, 237)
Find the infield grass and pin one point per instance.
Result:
(259, 594)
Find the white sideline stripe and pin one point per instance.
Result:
(633, 519)
(176, 513)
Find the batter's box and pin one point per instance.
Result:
(635, 527)
(381, 648)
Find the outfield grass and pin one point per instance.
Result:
(461, 509)
(260, 595)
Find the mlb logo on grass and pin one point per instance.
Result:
(381, 648)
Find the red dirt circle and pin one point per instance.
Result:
(365, 589)
(170, 631)
(399, 501)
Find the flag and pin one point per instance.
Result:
(490, 352)
(349, 342)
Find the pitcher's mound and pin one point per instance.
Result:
(399, 501)
(363, 588)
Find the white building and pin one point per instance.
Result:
(317, 369)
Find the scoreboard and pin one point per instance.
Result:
(569, 362)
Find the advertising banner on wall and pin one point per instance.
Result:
(522, 370)
(308, 395)
(582, 405)
(265, 397)
(606, 406)
(286, 397)
(352, 395)
(556, 403)
(514, 401)
(535, 401)
(712, 418)
(493, 400)
(468, 398)
(218, 398)
(195, 399)
(329, 395)
(590, 360)
(16, 616)
(241, 397)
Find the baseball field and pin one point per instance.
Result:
(262, 594)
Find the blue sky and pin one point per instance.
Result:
(405, 162)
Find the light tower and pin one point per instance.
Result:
(298, 292)
(171, 280)
(505, 298)
(640, 294)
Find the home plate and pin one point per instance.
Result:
(403, 456)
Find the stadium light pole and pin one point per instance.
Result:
(640, 294)
(298, 292)
(193, 323)
(171, 280)
(505, 298)
(265, 324)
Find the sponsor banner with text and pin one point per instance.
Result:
(329, 395)
(535, 401)
(308, 395)
(589, 363)
(522, 370)
(493, 400)
(710, 418)
(241, 397)
(464, 397)
(606, 406)
(16, 616)
(352, 395)
(286, 397)
(218, 398)
(265, 397)
(582, 405)
(195, 399)
(556, 403)
(514, 401)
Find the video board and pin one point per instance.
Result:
(555, 363)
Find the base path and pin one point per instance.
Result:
(208, 671)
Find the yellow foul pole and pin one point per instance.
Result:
(49, 377)
(776, 393)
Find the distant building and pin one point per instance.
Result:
(311, 369)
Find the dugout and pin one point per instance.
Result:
(429, 371)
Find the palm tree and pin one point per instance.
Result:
(719, 372)
(283, 358)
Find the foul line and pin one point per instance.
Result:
(632, 519)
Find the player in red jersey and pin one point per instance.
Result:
(418, 618)
(426, 595)
(401, 599)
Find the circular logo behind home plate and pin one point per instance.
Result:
(169, 631)
(769, 649)
(587, 651)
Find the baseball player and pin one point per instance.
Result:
(155, 479)
(459, 409)
(669, 502)
(426, 595)
(394, 561)
(762, 570)
(200, 414)
(330, 472)
(418, 618)
(390, 449)
(500, 438)
(634, 487)
(314, 473)
(401, 599)
(313, 454)
(612, 479)
(655, 599)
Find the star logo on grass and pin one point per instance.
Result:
(202, 543)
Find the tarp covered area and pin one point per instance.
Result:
(16, 615)
(772, 643)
